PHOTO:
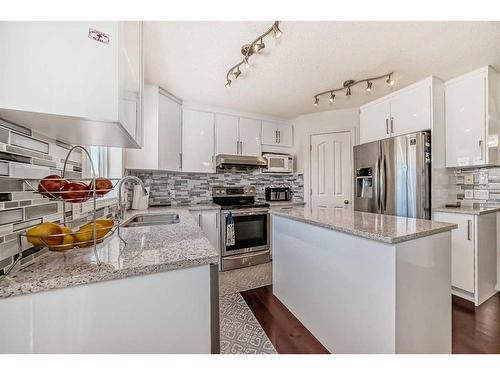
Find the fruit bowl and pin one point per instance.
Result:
(62, 238)
(56, 187)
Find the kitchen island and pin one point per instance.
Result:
(363, 282)
(158, 293)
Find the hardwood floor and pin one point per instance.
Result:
(474, 329)
(284, 330)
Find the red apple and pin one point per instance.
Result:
(51, 185)
(102, 185)
(75, 192)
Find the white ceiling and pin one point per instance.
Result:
(190, 59)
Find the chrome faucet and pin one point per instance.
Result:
(121, 206)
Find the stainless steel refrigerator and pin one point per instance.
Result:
(393, 176)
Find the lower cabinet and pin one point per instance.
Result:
(473, 255)
(209, 220)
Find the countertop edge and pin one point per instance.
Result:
(367, 235)
(467, 210)
(26, 288)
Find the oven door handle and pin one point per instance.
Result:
(247, 213)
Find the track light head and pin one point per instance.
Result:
(332, 97)
(257, 47)
(246, 62)
(237, 73)
(390, 81)
(228, 83)
(348, 92)
(276, 30)
(369, 86)
(316, 101)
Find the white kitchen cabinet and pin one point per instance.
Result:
(405, 111)
(250, 138)
(162, 146)
(472, 119)
(237, 135)
(68, 86)
(226, 135)
(374, 122)
(198, 141)
(277, 134)
(473, 255)
(209, 221)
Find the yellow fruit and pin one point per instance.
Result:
(68, 240)
(85, 235)
(45, 234)
(106, 223)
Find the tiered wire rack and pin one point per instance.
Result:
(93, 234)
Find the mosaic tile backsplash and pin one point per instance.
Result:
(179, 188)
(27, 156)
(480, 186)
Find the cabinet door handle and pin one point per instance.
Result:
(481, 149)
(279, 136)
(180, 160)
(386, 126)
(392, 124)
(241, 147)
(469, 230)
(276, 136)
(237, 147)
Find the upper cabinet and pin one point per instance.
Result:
(402, 112)
(162, 133)
(277, 134)
(198, 141)
(250, 138)
(472, 119)
(237, 135)
(79, 82)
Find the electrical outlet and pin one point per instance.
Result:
(172, 194)
(469, 179)
(469, 194)
(481, 194)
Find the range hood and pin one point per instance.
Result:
(229, 161)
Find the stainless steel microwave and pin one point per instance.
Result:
(278, 163)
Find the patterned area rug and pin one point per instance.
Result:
(245, 278)
(240, 332)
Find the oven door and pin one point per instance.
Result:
(251, 231)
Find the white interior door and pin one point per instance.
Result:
(331, 169)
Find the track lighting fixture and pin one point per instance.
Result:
(257, 47)
(390, 81)
(248, 50)
(349, 83)
(276, 30)
(237, 72)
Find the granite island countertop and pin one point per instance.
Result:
(148, 250)
(377, 227)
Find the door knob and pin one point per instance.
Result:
(346, 202)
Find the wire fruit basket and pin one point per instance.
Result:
(62, 238)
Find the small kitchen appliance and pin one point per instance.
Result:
(278, 193)
(278, 163)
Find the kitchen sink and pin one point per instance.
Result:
(149, 220)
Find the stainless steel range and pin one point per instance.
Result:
(250, 244)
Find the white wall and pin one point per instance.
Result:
(318, 123)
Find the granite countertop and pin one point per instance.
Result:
(383, 228)
(467, 210)
(148, 250)
(286, 203)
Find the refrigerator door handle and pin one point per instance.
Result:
(383, 190)
(376, 179)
